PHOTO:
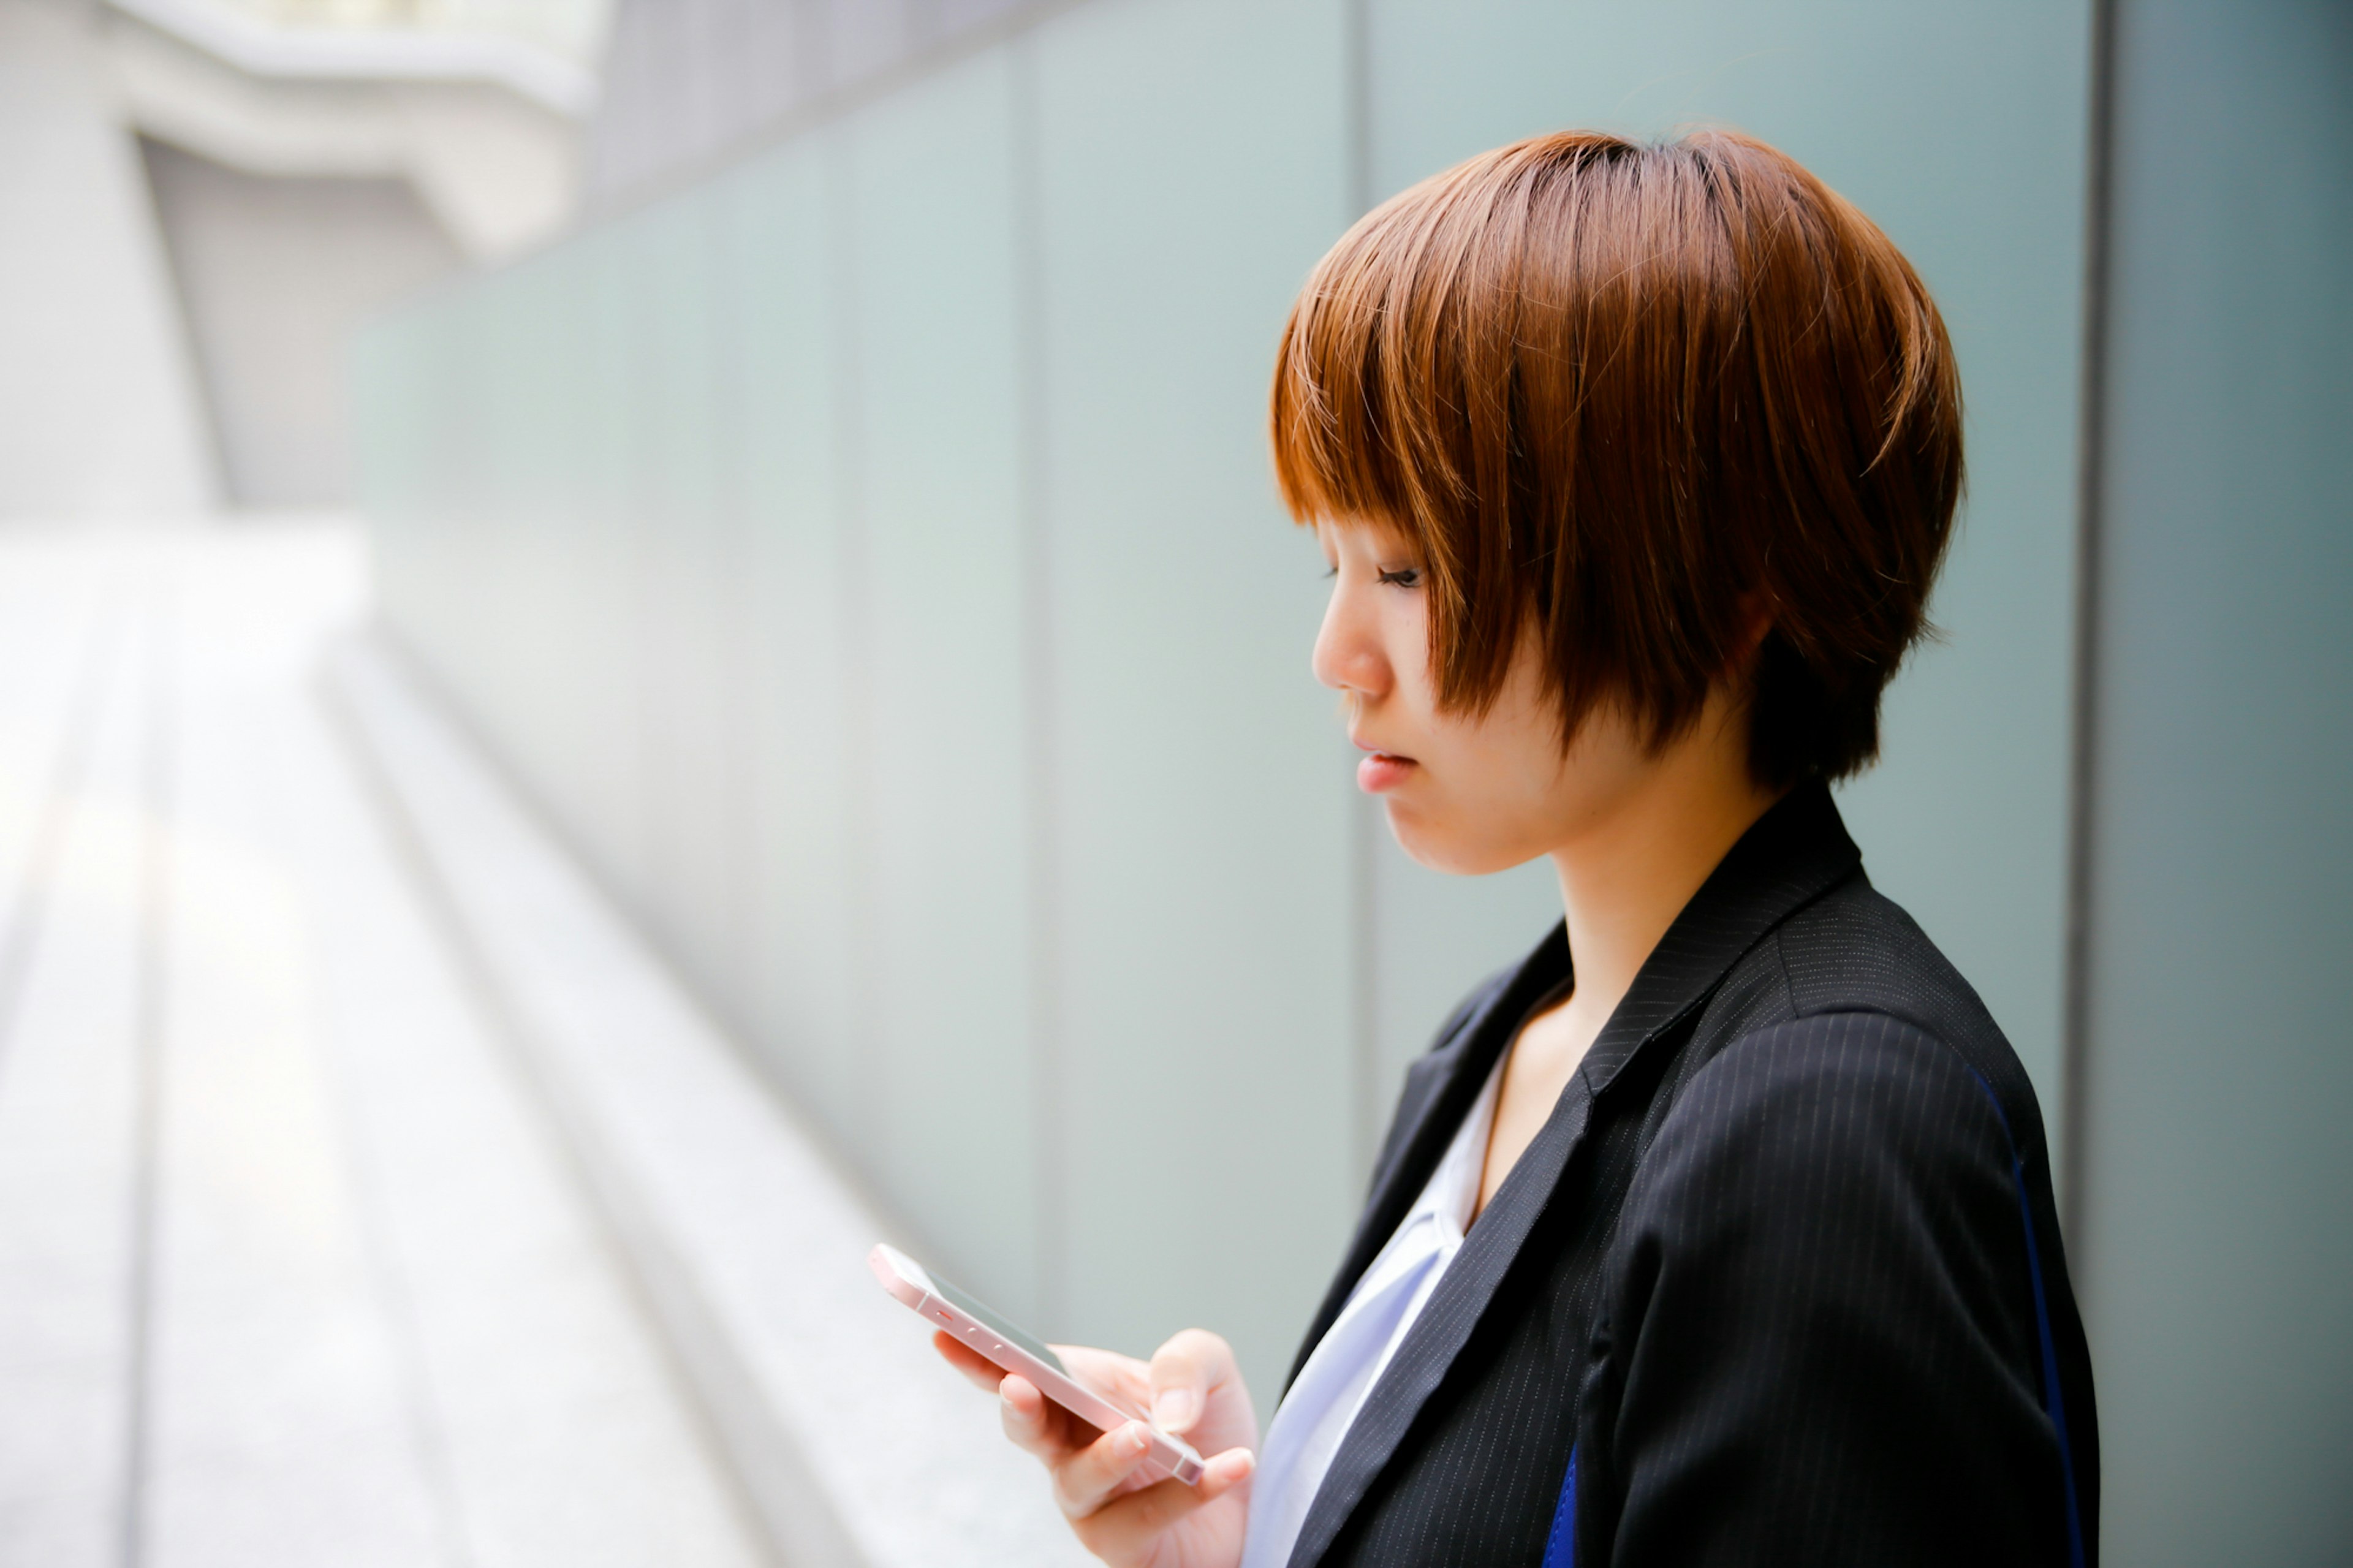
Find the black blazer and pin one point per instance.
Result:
(1781, 1271)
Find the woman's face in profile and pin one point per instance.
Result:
(1465, 794)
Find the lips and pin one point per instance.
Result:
(1383, 771)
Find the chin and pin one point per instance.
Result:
(1443, 847)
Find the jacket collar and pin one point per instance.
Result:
(1790, 857)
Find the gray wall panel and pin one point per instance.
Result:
(1202, 783)
(2219, 1171)
(781, 319)
(688, 537)
(597, 357)
(629, 857)
(597, 784)
(938, 387)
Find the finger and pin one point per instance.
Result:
(1126, 1527)
(1038, 1425)
(1087, 1480)
(1183, 1370)
(978, 1369)
(1221, 1473)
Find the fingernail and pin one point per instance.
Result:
(1173, 1409)
(1135, 1439)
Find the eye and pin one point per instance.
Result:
(1402, 576)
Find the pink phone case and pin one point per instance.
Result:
(905, 1278)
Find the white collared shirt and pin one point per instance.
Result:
(1349, 1359)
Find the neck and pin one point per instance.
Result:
(1627, 876)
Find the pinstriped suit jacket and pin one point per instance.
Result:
(1767, 1268)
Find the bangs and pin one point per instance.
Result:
(1335, 422)
(1373, 403)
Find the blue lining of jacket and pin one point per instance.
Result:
(2055, 1402)
(1560, 1546)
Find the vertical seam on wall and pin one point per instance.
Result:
(1363, 817)
(861, 1080)
(1356, 88)
(2075, 1043)
(1047, 1063)
(738, 958)
(646, 448)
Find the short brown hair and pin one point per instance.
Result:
(1628, 397)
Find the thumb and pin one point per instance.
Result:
(1183, 1372)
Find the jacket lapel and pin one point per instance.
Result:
(1794, 853)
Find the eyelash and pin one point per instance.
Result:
(1403, 578)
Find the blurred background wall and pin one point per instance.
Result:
(863, 546)
(826, 470)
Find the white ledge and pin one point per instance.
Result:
(329, 54)
(854, 1444)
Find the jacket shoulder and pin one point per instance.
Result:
(1856, 951)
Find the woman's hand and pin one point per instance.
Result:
(1193, 1390)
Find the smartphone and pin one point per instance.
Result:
(944, 1306)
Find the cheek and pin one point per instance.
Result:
(1405, 637)
(1512, 783)
(1499, 791)
(1492, 798)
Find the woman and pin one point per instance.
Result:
(1719, 1229)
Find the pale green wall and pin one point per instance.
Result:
(868, 558)
(1191, 164)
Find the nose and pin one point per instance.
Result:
(1348, 656)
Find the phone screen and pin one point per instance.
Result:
(995, 1322)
